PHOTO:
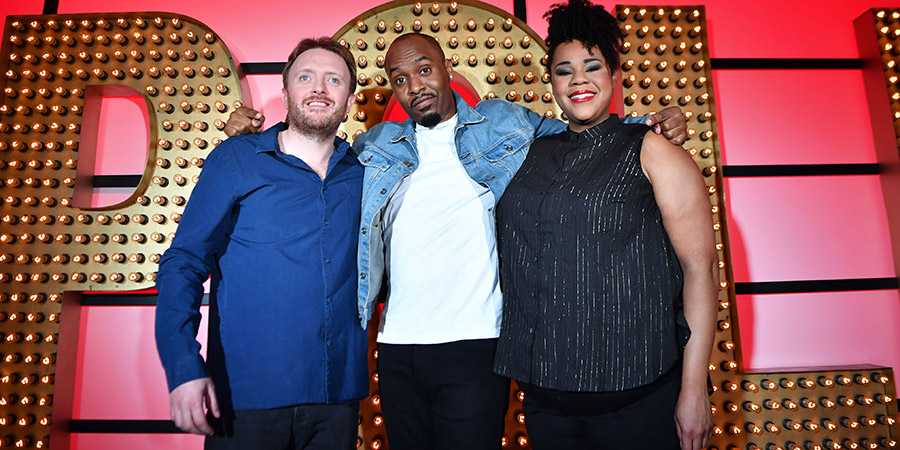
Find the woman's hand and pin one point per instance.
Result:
(693, 419)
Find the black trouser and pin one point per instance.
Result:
(442, 396)
(310, 427)
(642, 418)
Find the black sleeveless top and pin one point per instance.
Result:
(591, 284)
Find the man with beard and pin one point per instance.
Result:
(427, 226)
(273, 218)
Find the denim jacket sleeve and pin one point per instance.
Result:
(188, 263)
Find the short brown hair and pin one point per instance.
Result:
(325, 43)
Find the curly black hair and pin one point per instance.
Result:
(582, 21)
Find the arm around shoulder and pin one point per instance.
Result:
(542, 125)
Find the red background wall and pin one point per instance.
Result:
(781, 228)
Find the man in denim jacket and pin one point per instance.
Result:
(427, 228)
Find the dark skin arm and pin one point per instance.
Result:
(669, 123)
(684, 203)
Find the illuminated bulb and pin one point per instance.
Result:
(526, 59)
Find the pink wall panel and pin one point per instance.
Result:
(119, 375)
(123, 139)
(837, 328)
(808, 228)
(86, 441)
(253, 32)
(765, 28)
(821, 117)
(17, 7)
(265, 96)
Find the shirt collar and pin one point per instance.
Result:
(268, 141)
(594, 131)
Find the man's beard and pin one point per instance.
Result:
(429, 120)
(318, 126)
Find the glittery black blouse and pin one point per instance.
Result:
(591, 284)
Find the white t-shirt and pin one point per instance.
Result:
(440, 250)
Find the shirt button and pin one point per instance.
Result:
(326, 222)
(408, 163)
(328, 260)
(363, 231)
(533, 293)
(383, 191)
(327, 299)
(362, 276)
(535, 259)
(536, 224)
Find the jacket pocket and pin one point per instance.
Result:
(374, 159)
(508, 154)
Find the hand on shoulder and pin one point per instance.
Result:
(244, 120)
(670, 123)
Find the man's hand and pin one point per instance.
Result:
(669, 122)
(189, 403)
(246, 121)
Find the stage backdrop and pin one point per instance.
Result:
(793, 167)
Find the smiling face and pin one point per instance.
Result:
(582, 84)
(318, 93)
(420, 77)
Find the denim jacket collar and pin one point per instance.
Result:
(465, 115)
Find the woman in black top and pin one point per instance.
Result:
(608, 266)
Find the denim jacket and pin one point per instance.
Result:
(492, 140)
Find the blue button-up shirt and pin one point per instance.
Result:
(280, 244)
